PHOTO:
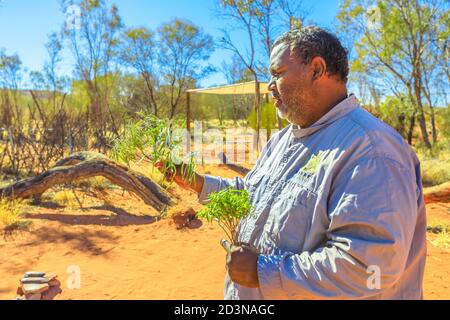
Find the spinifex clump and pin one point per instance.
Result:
(152, 138)
(227, 207)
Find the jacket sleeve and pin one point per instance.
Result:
(372, 211)
(214, 184)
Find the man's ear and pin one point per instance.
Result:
(318, 68)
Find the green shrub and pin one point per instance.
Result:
(11, 212)
(227, 207)
(153, 138)
(435, 165)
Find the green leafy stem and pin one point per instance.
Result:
(227, 207)
(153, 138)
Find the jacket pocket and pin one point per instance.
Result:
(290, 218)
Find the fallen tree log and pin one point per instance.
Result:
(84, 165)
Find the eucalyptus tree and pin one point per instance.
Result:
(92, 35)
(184, 51)
(138, 50)
(393, 42)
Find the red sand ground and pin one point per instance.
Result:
(125, 255)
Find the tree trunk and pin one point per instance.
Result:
(412, 123)
(432, 116)
(423, 128)
(85, 165)
(172, 111)
(148, 83)
(401, 125)
(433, 125)
(421, 115)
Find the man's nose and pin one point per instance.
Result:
(271, 85)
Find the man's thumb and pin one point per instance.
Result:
(226, 245)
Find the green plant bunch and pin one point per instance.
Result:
(227, 207)
(154, 139)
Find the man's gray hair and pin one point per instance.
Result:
(311, 41)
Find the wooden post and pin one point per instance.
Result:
(258, 113)
(188, 112)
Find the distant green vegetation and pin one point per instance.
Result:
(436, 166)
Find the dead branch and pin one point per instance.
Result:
(86, 165)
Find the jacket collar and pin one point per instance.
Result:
(341, 109)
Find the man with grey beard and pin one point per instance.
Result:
(337, 195)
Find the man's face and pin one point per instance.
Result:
(290, 85)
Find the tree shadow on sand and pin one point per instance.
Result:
(80, 240)
(120, 218)
(49, 205)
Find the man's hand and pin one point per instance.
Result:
(242, 264)
(172, 176)
(177, 177)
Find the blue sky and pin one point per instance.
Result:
(25, 24)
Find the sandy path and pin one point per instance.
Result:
(147, 261)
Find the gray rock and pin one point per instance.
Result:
(30, 288)
(34, 280)
(34, 274)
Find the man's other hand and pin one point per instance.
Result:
(242, 264)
